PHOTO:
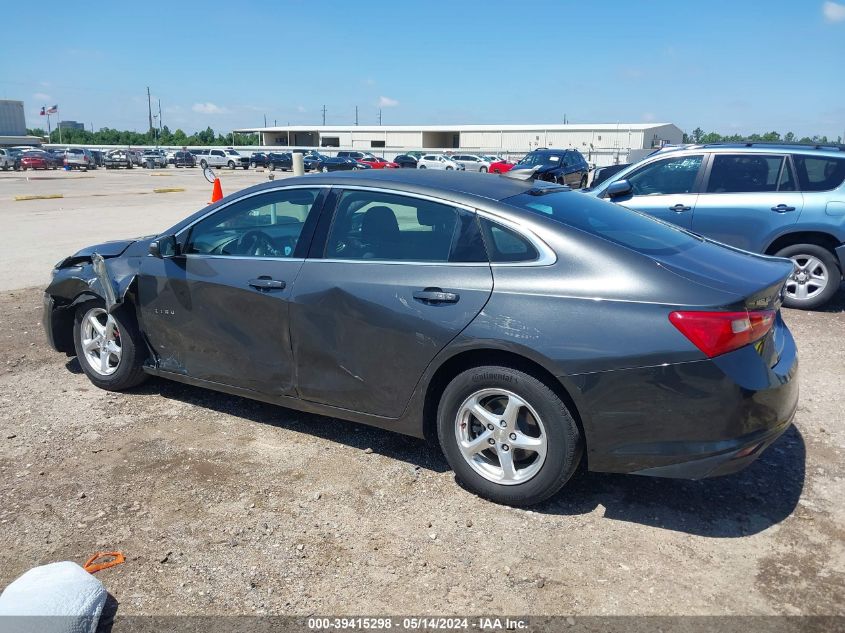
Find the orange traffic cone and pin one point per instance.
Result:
(217, 192)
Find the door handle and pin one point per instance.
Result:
(435, 295)
(782, 208)
(679, 207)
(266, 283)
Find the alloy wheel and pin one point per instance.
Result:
(100, 340)
(501, 436)
(809, 278)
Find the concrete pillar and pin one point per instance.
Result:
(298, 164)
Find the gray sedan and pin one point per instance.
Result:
(525, 326)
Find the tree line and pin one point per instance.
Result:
(177, 138)
(700, 136)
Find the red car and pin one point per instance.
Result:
(36, 160)
(378, 163)
(500, 167)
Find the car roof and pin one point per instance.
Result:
(821, 149)
(423, 181)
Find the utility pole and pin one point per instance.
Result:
(379, 116)
(159, 117)
(149, 109)
(356, 115)
(324, 114)
(265, 120)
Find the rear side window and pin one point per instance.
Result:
(373, 225)
(505, 245)
(744, 173)
(819, 173)
(619, 225)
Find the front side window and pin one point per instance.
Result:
(371, 225)
(217, 152)
(667, 176)
(744, 173)
(266, 225)
(819, 173)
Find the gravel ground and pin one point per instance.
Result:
(223, 505)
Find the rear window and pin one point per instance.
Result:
(819, 173)
(609, 221)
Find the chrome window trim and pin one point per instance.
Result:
(250, 257)
(547, 256)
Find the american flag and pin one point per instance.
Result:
(53, 109)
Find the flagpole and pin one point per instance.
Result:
(58, 122)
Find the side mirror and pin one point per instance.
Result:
(164, 246)
(618, 189)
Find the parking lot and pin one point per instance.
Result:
(224, 505)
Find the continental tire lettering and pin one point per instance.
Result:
(486, 377)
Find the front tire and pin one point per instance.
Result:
(108, 346)
(815, 278)
(507, 435)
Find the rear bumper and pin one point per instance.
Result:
(690, 420)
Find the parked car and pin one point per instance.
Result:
(79, 158)
(563, 166)
(170, 156)
(472, 162)
(406, 161)
(377, 162)
(339, 163)
(184, 159)
(354, 155)
(258, 159)
(119, 158)
(600, 174)
(501, 167)
(58, 155)
(153, 158)
(135, 156)
(37, 159)
(509, 343)
(284, 161)
(783, 200)
(218, 158)
(7, 159)
(16, 155)
(438, 161)
(98, 156)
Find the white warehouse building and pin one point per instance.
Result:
(602, 144)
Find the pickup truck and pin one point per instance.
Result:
(118, 158)
(218, 158)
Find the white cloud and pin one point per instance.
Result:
(833, 11)
(369, 82)
(648, 117)
(300, 108)
(387, 102)
(40, 96)
(208, 108)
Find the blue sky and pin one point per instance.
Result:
(729, 66)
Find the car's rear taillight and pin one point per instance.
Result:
(716, 333)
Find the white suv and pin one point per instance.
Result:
(472, 162)
(438, 161)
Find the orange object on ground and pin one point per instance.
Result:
(90, 566)
(217, 192)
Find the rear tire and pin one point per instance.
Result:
(119, 341)
(503, 471)
(483, 170)
(815, 278)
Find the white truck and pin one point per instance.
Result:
(218, 158)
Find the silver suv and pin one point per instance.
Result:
(79, 158)
(778, 199)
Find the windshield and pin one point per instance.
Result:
(617, 224)
(539, 158)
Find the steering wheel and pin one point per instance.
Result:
(257, 244)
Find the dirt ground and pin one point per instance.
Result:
(223, 506)
(227, 506)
